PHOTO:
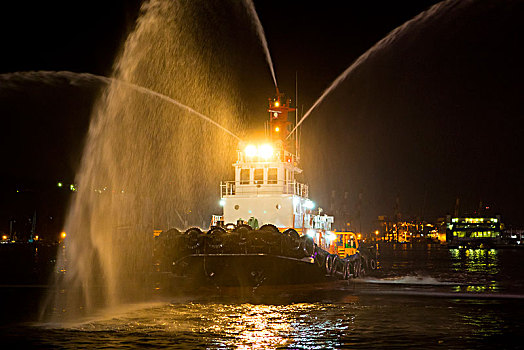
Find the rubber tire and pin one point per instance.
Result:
(330, 264)
(373, 264)
(193, 238)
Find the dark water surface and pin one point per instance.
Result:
(421, 297)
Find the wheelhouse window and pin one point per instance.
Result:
(244, 176)
(259, 176)
(272, 175)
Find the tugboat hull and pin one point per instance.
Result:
(250, 258)
(247, 270)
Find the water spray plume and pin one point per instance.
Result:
(146, 165)
(262, 36)
(78, 78)
(383, 43)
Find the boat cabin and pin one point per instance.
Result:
(266, 190)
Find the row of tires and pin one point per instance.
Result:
(173, 245)
(241, 239)
(351, 267)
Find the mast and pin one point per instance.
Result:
(278, 109)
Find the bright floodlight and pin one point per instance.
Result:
(265, 151)
(309, 204)
(222, 202)
(250, 151)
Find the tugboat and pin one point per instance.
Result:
(269, 232)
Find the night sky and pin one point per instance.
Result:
(433, 117)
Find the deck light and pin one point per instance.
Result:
(265, 151)
(250, 151)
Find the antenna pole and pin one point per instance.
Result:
(296, 114)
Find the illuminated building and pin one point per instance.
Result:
(473, 230)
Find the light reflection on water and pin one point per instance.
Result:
(475, 260)
(366, 322)
(240, 326)
(440, 299)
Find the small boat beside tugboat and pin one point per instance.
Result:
(269, 232)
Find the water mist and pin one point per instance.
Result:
(146, 164)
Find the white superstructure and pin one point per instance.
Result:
(265, 189)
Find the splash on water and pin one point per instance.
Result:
(410, 280)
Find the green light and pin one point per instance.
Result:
(59, 184)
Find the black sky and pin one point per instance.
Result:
(434, 117)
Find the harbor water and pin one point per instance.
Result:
(421, 296)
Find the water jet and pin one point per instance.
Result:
(386, 42)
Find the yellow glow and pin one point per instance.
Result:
(4, 237)
(376, 232)
(277, 129)
(265, 151)
(277, 104)
(250, 151)
(359, 236)
(63, 235)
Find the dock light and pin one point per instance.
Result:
(222, 202)
(309, 204)
(376, 232)
(63, 235)
(265, 151)
(250, 151)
